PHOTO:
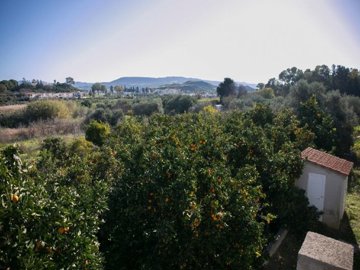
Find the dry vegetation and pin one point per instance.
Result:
(40, 119)
(12, 108)
(41, 129)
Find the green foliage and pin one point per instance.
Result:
(3, 88)
(178, 104)
(176, 204)
(201, 190)
(187, 191)
(346, 80)
(354, 103)
(38, 111)
(267, 93)
(46, 109)
(86, 103)
(319, 122)
(344, 119)
(226, 88)
(291, 75)
(271, 149)
(11, 92)
(122, 105)
(10, 85)
(106, 115)
(328, 114)
(49, 218)
(81, 147)
(69, 80)
(97, 132)
(11, 119)
(302, 91)
(146, 109)
(97, 87)
(298, 215)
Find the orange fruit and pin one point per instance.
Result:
(63, 230)
(193, 147)
(14, 198)
(39, 245)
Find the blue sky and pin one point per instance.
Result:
(247, 40)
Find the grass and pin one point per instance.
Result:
(353, 211)
(205, 100)
(31, 147)
(41, 129)
(353, 197)
(12, 108)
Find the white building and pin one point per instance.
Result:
(325, 181)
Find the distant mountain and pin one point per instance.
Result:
(151, 82)
(190, 86)
(83, 85)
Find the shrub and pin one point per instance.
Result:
(176, 204)
(146, 109)
(97, 132)
(81, 147)
(111, 117)
(204, 190)
(178, 104)
(86, 103)
(210, 109)
(12, 119)
(98, 115)
(46, 109)
(298, 216)
(49, 218)
(123, 105)
(267, 93)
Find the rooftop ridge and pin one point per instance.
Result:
(326, 160)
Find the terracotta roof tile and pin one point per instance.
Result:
(326, 160)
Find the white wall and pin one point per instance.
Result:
(335, 192)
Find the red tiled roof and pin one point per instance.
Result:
(326, 160)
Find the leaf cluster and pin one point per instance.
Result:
(201, 190)
(50, 210)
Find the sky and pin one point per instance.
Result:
(246, 40)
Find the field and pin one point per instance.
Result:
(40, 130)
(29, 148)
(11, 108)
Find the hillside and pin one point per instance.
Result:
(149, 81)
(191, 86)
(184, 83)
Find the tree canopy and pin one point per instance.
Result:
(226, 88)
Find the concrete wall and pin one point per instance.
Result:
(319, 252)
(335, 192)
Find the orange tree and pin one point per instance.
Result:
(197, 190)
(176, 204)
(50, 210)
(272, 144)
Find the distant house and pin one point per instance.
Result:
(325, 181)
(55, 95)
